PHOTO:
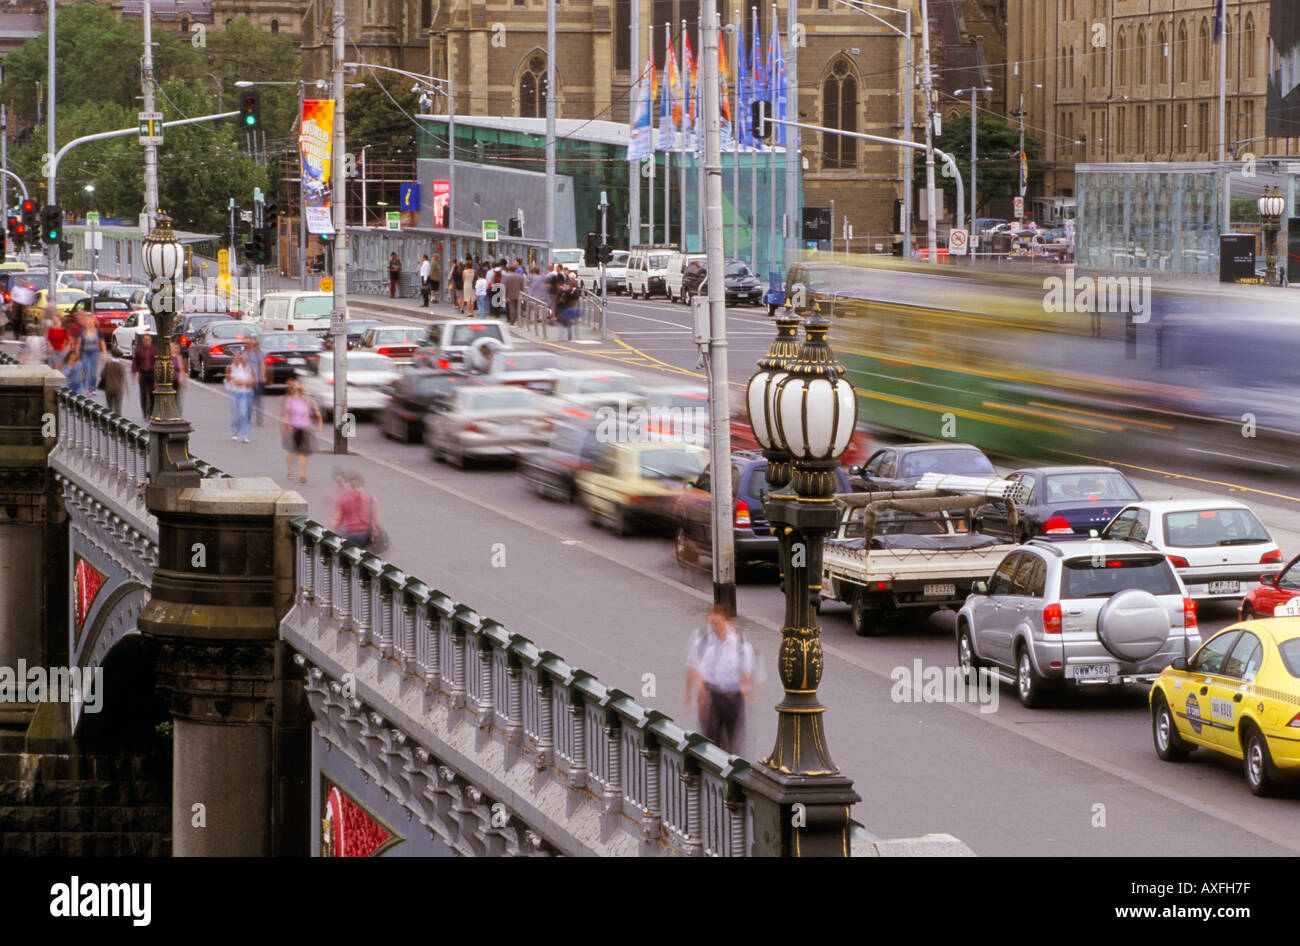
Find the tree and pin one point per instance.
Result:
(375, 118)
(998, 147)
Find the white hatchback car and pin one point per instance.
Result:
(1218, 546)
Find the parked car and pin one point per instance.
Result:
(615, 274)
(1217, 546)
(1239, 695)
(647, 265)
(741, 285)
(413, 396)
(551, 470)
(679, 264)
(637, 484)
(215, 345)
(1086, 497)
(286, 355)
(74, 278)
(395, 342)
(1271, 593)
(370, 377)
(1076, 613)
(187, 326)
(448, 341)
(109, 314)
(127, 336)
(483, 422)
(535, 370)
(754, 540)
(902, 465)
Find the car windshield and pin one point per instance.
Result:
(1203, 528)
(736, 268)
(364, 361)
(398, 336)
(358, 329)
(526, 361)
(431, 384)
(72, 295)
(1290, 653)
(601, 384)
(567, 257)
(618, 258)
(500, 401)
(1089, 487)
(233, 329)
(946, 461)
(672, 464)
(123, 291)
(291, 340)
(103, 305)
(658, 262)
(1101, 576)
(472, 332)
(683, 399)
(313, 306)
(35, 283)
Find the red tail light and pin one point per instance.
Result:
(1189, 613)
(740, 519)
(472, 429)
(1057, 525)
(217, 350)
(1273, 556)
(385, 350)
(444, 363)
(1052, 619)
(185, 339)
(274, 359)
(1178, 561)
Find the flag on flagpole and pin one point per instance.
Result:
(1219, 14)
(1024, 173)
(778, 82)
(640, 133)
(743, 96)
(724, 98)
(759, 90)
(692, 92)
(674, 90)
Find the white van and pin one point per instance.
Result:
(678, 263)
(295, 311)
(569, 258)
(646, 266)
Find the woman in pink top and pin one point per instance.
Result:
(357, 516)
(300, 416)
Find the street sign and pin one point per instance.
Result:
(92, 218)
(223, 261)
(409, 196)
(880, 247)
(326, 284)
(957, 243)
(319, 220)
(1018, 203)
(490, 231)
(393, 218)
(151, 130)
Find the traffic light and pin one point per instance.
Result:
(65, 251)
(257, 246)
(250, 108)
(30, 226)
(761, 119)
(514, 229)
(52, 224)
(270, 214)
(14, 235)
(606, 253)
(591, 253)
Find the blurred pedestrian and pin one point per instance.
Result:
(514, 283)
(301, 416)
(180, 377)
(257, 364)
(357, 515)
(114, 384)
(425, 272)
(34, 350)
(468, 277)
(142, 363)
(394, 275)
(497, 291)
(74, 369)
(454, 284)
(719, 676)
(56, 339)
(567, 305)
(481, 295)
(240, 383)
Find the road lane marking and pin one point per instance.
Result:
(1180, 476)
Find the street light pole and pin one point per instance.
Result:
(550, 129)
(150, 151)
(339, 195)
(974, 152)
(931, 233)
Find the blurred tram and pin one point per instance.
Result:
(1025, 365)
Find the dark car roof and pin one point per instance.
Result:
(190, 318)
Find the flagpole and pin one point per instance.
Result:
(681, 165)
(668, 145)
(634, 172)
(736, 117)
(699, 142)
(1223, 105)
(770, 67)
(753, 157)
(793, 163)
(654, 157)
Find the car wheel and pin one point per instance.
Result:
(866, 620)
(435, 450)
(621, 522)
(205, 371)
(594, 517)
(1258, 764)
(1030, 687)
(456, 457)
(189, 364)
(1247, 613)
(684, 547)
(1164, 733)
(966, 660)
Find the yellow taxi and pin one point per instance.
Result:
(635, 483)
(1238, 695)
(65, 300)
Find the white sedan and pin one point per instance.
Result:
(123, 340)
(369, 376)
(1218, 546)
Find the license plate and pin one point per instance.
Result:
(1091, 671)
(1224, 587)
(940, 591)
(296, 361)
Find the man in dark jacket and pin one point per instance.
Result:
(142, 367)
(514, 283)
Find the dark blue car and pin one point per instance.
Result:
(1086, 497)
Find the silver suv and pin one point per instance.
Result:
(1076, 613)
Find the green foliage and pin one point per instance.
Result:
(998, 147)
(97, 69)
(374, 121)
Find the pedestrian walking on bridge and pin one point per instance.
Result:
(720, 668)
(301, 417)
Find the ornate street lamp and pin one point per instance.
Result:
(170, 463)
(803, 411)
(1271, 207)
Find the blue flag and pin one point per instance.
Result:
(778, 82)
(743, 95)
(760, 90)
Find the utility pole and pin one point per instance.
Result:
(931, 236)
(974, 153)
(634, 173)
(793, 154)
(604, 241)
(4, 163)
(724, 563)
(550, 129)
(686, 108)
(51, 249)
(150, 151)
(339, 195)
(302, 198)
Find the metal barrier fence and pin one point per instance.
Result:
(535, 315)
(672, 787)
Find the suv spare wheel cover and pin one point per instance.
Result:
(1133, 625)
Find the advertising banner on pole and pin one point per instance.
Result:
(315, 150)
(441, 198)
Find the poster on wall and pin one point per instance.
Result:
(315, 149)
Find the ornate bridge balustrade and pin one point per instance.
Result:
(494, 745)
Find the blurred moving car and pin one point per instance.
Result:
(679, 412)
(449, 340)
(486, 422)
(187, 326)
(1076, 613)
(635, 484)
(74, 278)
(741, 285)
(582, 393)
(1272, 592)
(215, 345)
(286, 355)
(65, 300)
(535, 370)
(615, 274)
(901, 465)
(1238, 695)
(370, 377)
(109, 314)
(1216, 545)
(412, 397)
(1086, 497)
(395, 342)
(551, 470)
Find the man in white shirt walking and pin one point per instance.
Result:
(425, 270)
(719, 676)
